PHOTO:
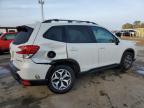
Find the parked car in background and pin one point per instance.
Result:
(128, 32)
(132, 32)
(0, 33)
(119, 34)
(5, 40)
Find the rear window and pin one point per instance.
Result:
(23, 35)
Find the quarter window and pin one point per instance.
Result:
(54, 33)
(79, 34)
(102, 35)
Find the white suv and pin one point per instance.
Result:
(55, 51)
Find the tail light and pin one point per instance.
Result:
(28, 49)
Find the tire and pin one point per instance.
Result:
(57, 83)
(127, 61)
(1, 52)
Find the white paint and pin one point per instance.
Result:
(88, 55)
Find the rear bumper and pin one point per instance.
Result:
(13, 71)
(24, 82)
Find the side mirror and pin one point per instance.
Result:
(117, 41)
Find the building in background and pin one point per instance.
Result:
(138, 26)
(140, 32)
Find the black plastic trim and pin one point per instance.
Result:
(72, 62)
(13, 71)
(100, 68)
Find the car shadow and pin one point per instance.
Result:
(5, 53)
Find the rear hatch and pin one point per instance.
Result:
(25, 36)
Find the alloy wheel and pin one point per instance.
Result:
(61, 79)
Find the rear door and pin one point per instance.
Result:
(81, 46)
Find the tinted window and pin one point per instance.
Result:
(54, 33)
(9, 36)
(23, 35)
(79, 34)
(102, 35)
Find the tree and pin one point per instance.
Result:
(137, 24)
(127, 26)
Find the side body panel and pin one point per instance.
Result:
(47, 45)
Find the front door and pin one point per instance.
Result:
(107, 48)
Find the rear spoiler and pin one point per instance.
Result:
(23, 28)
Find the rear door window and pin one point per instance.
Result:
(23, 35)
(55, 33)
(79, 34)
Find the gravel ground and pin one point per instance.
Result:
(105, 89)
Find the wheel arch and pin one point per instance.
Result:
(69, 62)
(128, 50)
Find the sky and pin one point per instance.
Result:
(109, 13)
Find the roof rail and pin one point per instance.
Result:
(69, 21)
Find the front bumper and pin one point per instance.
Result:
(16, 76)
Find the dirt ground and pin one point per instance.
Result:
(139, 41)
(105, 89)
